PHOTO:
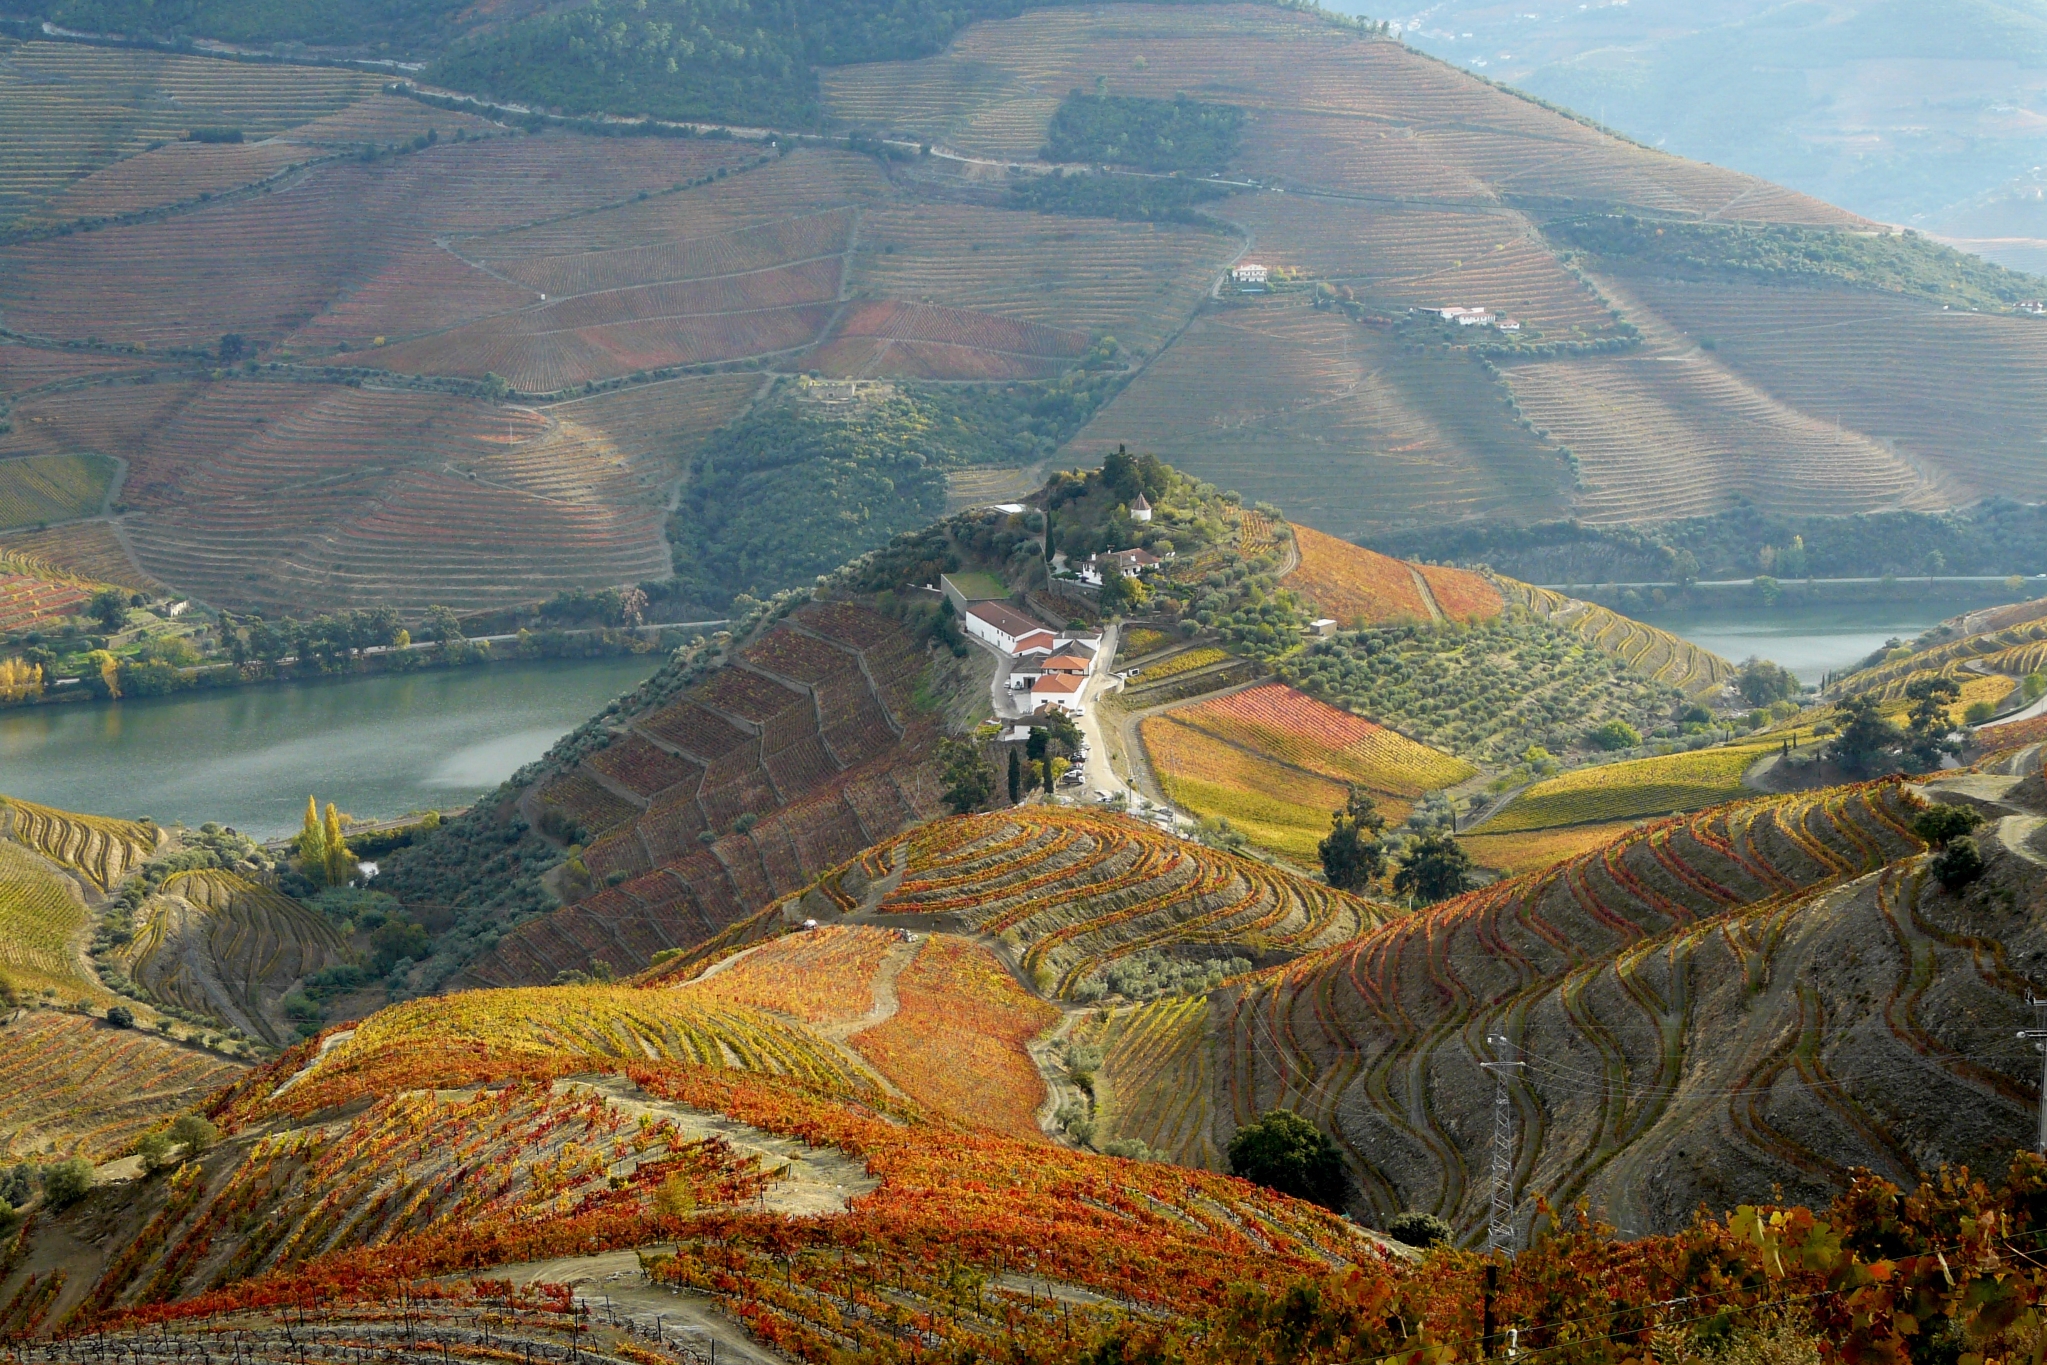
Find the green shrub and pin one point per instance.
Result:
(1420, 1230)
(1285, 1152)
(1958, 864)
(1614, 734)
(67, 1182)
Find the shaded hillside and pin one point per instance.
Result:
(691, 815)
(1765, 994)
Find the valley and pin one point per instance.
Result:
(1097, 684)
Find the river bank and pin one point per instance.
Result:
(377, 745)
(129, 681)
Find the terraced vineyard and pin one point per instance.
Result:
(100, 850)
(956, 1043)
(1635, 789)
(215, 944)
(1704, 1005)
(1386, 116)
(53, 488)
(1275, 762)
(1079, 892)
(815, 743)
(1956, 390)
(43, 931)
(1360, 587)
(1396, 435)
(1132, 281)
(1513, 854)
(421, 499)
(89, 550)
(79, 1086)
(480, 1036)
(1662, 436)
(2007, 649)
(572, 1149)
(1655, 653)
(68, 111)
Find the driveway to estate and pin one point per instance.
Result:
(1103, 681)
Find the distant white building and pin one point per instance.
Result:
(1464, 317)
(1140, 509)
(1249, 274)
(1129, 563)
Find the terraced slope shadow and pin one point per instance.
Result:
(1766, 993)
(217, 944)
(748, 788)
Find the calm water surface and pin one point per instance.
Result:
(1811, 639)
(249, 758)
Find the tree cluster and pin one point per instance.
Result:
(1155, 135)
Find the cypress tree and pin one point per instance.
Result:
(1015, 776)
(340, 863)
(313, 842)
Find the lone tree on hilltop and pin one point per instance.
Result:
(1435, 867)
(1351, 856)
(1285, 1152)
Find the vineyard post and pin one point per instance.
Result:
(1500, 1223)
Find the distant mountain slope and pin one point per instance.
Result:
(595, 296)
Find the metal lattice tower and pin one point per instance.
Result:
(2037, 1035)
(1500, 1224)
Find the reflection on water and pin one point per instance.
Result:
(1811, 639)
(249, 758)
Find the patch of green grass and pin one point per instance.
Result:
(979, 586)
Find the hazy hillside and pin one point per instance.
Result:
(1867, 105)
(427, 324)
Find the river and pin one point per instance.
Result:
(249, 757)
(1812, 638)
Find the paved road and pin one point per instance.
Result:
(1101, 777)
